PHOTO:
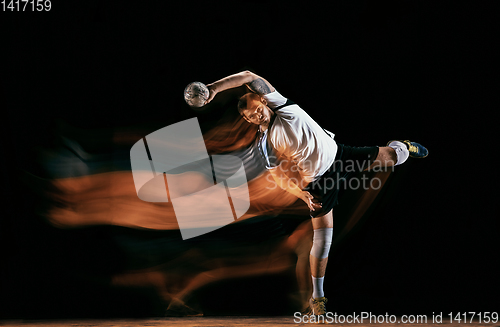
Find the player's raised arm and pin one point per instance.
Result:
(254, 82)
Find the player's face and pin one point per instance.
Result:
(259, 114)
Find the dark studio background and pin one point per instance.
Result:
(368, 71)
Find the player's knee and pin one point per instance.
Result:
(322, 240)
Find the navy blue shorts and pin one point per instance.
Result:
(349, 161)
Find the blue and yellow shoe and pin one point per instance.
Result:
(416, 150)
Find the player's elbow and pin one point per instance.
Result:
(247, 72)
(249, 76)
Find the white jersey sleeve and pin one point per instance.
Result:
(274, 99)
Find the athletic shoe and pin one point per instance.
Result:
(317, 306)
(178, 308)
(416, 150)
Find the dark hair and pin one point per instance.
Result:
(243, 102)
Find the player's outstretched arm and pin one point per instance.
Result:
(254, 82)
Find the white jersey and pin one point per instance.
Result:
(295, 135)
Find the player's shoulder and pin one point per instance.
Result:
(290, 111)
(275, 99)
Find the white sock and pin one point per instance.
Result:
(318, 287)
(401, 151)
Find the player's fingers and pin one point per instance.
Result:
(311, 207)
(211, 95)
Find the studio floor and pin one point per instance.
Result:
(209, 321)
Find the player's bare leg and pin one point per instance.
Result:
(386, 158)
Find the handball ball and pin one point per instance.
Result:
(196, 94)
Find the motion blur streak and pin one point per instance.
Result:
(80, 189)
(109, 197)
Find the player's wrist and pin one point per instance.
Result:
(212, 87)
(304, 195)
(212, 91)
